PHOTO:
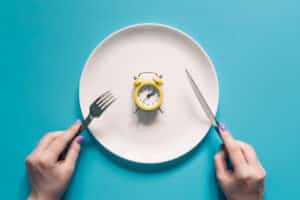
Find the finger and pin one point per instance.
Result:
(43, 144)
(73, 152)
(47, 139)
(253, 160)
(243, 150)
(249, 153)
(58, 145)
(221, 165)
(233, 148)
(251, 156)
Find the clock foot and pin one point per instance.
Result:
(136, 110)
(160, 110)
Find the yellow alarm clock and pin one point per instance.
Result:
(148, 94)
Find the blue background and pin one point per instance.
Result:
(253, 44)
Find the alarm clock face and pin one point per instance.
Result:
(148, 96)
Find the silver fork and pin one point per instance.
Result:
(96, 109)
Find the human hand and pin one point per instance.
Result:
(49, 177)
(246, 180)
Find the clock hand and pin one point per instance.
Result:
(150, 94)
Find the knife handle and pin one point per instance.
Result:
(217, 128)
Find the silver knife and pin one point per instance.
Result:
(203, 102)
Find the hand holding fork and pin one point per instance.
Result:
(96, 109)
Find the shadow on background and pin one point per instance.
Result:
(25, 188)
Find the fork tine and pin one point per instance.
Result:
(108, 104)
(106, 92)
(109, 98)
(104, 98)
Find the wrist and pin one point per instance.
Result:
(246, 198)
(34, 196)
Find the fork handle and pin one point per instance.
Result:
(83, 126)
(86, 122)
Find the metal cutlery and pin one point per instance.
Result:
(203, 102)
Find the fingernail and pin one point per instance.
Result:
(223, 128)
(80, 139)
(78, 121)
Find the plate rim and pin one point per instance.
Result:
(159, 25)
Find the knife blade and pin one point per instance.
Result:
(203, 102)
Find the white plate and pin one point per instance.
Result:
(149, 138)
